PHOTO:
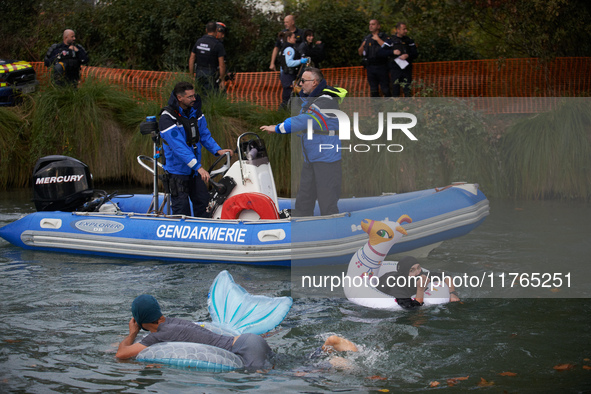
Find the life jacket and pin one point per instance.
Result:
(190, 125)
(283, 61)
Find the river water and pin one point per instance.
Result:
(63, 315)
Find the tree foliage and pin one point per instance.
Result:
(158, 35)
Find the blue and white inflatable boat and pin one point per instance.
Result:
(246, 227)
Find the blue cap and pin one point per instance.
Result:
(145, 309)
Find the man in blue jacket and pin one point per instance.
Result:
(183, 128)
(321, 171)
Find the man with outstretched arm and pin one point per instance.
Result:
(321, 171)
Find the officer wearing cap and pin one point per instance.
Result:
(207, 57)
(376, 66)
(66, 58)
(401, 52)
(220, 31)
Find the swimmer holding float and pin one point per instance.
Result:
(231, 341)
(400, 285)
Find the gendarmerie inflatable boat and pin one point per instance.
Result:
(249, 224)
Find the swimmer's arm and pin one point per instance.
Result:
(128, 349)
(422, 284)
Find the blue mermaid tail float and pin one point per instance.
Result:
(233, 312)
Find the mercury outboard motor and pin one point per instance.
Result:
(61, 183)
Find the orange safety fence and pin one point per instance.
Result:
(507, 78)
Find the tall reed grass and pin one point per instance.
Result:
(14, 144)
(544, 156)
(549, 155)
(99, 125)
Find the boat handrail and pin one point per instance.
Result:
(240, 152)
(141, 158)
(308, 218)
(177, 217)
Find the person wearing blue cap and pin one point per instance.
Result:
(148, 316)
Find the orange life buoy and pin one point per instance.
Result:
(262, 204)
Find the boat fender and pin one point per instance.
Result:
(262, 204)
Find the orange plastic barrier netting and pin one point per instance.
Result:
(510, 78)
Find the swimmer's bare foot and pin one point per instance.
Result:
(339, 344)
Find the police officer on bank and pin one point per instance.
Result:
(66, 59)
(401, 52)
(376, 66)
(291, 61)
(289, 23)
(207, 57)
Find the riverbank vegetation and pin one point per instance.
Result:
(534, 156)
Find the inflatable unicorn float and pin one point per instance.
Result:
(369, 265)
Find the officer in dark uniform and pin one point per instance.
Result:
(206, 58)
(66, 58)
(376, 66)
(289, 23)
(401, 52)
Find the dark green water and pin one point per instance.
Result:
(63, 316)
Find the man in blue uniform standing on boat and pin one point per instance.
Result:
(321, 171)
(184, 131)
